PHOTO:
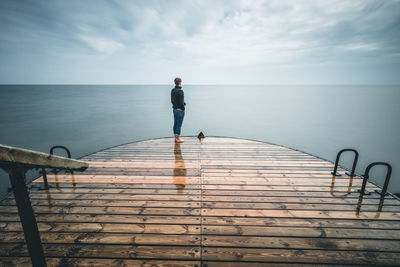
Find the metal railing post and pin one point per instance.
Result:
(25, 211)
(46, 184)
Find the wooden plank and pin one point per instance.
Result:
(301, 243)
(25, 261)
(278, 181)
(237, 162)
(107, 251)
(301, 256)
(301, 180)
(134, 157)
(134, 178)
(322, 232)
(144, 164)
(301, 214)
(263, 167)
(109, 210)
(107, 218)
(297, 206)
(221, 221)
(194, 153)
(303, 200)
(318, 175)
(170, 197)
(131, 228)
(194, 172)
(258, 264)
(117, 203)
(242, 167)
(357, 223)
(38, 186)
(106, 238)
(95, 190)
(368, 204)
(120, 180)
(274, 172)
(336, 188)
(282, 193)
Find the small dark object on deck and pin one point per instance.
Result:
(201, 136)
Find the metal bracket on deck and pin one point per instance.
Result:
(380, 192)
(338, 158)
(366, 192)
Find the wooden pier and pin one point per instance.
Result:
(219, 202)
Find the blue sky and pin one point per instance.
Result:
(204, 42)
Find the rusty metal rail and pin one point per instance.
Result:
(16, 162)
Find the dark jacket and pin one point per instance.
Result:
(177, 98)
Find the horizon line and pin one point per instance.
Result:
(207, 84)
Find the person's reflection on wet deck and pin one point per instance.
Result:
(179, 169)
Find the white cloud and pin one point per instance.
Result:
(361, 47)
(100, 44)
(203, 37)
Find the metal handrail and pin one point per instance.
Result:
(338, 158)
(62, 147)
(16, 162)
(44, 173)
(366, 177)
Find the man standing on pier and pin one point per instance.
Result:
(178, 106)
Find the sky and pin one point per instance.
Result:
(204, 42)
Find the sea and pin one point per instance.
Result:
(318, 119)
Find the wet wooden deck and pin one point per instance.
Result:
(220, 202)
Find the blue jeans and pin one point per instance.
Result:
(178, 120)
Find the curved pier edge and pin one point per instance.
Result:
(247, 139)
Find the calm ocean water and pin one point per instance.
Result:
(319, 120)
